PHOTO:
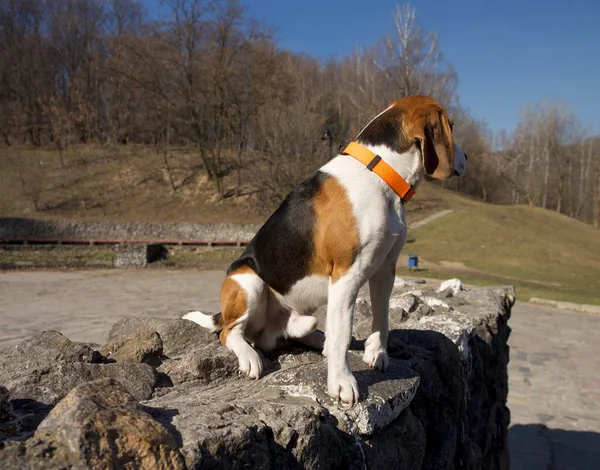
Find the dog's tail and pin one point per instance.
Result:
(212, 322)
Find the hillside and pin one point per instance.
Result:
(131, 182)
(541, 252)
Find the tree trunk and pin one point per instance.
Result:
(596, 209)
(546, 176)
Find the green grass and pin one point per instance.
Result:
(57, 256)
(540, 252)
(199, 257)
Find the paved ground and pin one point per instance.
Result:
(84, 304)
(554, 371)
(554, 396)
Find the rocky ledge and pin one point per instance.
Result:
(163, 393)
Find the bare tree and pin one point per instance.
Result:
(211, 81)
(412, 62)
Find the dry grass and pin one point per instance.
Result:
(541, 252)
(130, 182)
(125, 182)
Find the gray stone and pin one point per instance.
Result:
(383, 396)
(131, 256)
(247, 424)
(441, 404)
(46, 348)
(72, 229)
(5, 409)
(47, 366)
(409, 303)
(207, 364)
(146, 347)
(97, 425)
(452, 286)
(24, 418)
(178, 336)
(139, 380)
(391, 449)
(36, 454)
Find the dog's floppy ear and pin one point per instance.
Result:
(436, 146)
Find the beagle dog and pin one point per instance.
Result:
(335, 231)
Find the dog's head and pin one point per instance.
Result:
(421, 122)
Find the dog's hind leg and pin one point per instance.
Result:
(249, 361)
(243, 308)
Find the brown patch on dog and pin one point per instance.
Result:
(336, 238)
(234, 302)
(424, 120)
(416, 120)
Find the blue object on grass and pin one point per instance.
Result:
(413, 261)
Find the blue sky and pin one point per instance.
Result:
(508, 53)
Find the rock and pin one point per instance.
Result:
(451, 285)
(47, 366)
(435, 303)
(47, 348)
(286, 418)
(441, 404)
(36, 454)
(249, 425)
(389, 449)
(146, 347)
(138, 379)
(131, 256)
(25, 416)
(208, 365)
(97, 425)
(5, 409)
(409, 302)
(381, 401)
(178, 336)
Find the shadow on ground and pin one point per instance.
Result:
(537, 447)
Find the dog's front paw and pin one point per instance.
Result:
(343, 387)
(375, 355)
(376, 359)
(251, 365)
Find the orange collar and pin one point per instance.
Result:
(376, 164)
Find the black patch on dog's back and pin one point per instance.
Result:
(282, 250)
(386, 130)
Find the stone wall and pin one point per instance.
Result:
(29, 229)
(163, 393)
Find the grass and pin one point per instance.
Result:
(56, 256)
(540, 252)
(130, 182)
(118, 182)
(216, 258)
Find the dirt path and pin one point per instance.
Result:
(431, 218)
